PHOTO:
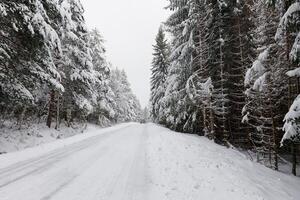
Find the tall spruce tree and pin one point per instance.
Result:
(126, 106)
(179, 109)
(102, 109)
(160, 65)
(77, 68)
(288, 37)
(29, 41)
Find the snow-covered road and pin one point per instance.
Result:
(105, 166)
(140, 162)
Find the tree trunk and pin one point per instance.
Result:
(275, 142)
(68, 116)
(212, 123)
(21, 117)
(57, 112)
(204, 121)
(294, 154)
(51, 108)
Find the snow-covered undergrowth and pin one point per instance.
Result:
(13, 138)
(191, 167)
(38, 139)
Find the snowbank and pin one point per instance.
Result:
(191, 167)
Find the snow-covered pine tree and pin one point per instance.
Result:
(288, 37)
(29, 43)
(126, 106)
(199, 86)
(196, 53)
(202, 35)
(230, 50)
(160, 65)
(79, 75)
(267, 93)
(217, 37)
(211, 40)
(145, 115)
(102, 108)
(292, 131)
(242, 47)
(179, 109)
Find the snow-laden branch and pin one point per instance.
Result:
(282, 28)
(294, 54)
(257, 73)
(291, 126)
(197, 90)
(295, 7)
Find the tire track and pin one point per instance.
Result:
(24, 169)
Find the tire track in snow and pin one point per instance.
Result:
(86, 166)
(32, 161)
(24, 169)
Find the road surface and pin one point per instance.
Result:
(108, 166)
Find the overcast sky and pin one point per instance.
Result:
(129, 28)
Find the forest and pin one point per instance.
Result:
(224, 69)
(185, 100)
(231, 72)
(54, 69)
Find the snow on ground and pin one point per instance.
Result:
(191, 167)
(134, 162)
(13, 138)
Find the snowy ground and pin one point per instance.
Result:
(138, 162)
(13, 138)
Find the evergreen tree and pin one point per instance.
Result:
(268, 94)
(77, 68)
(217, 37)
(287, 37)
(102, 109)
(52, 67)
(160, 65)
(127, 108)
(29, 41)
(178, 107)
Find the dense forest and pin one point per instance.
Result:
(231, 72)
(54, 70)
(225, 69)
(223, 114)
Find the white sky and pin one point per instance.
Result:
(129, 28)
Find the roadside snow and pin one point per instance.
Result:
(13, 138)
(191, 167)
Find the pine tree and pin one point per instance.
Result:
(203, 33)
(178, 108)
(217, 38)
(30, 35)
(199, 86)
(267, 93)
(160, 65)
(127, 107)
(288, 37)
(29, 41)
(76, 66)
(53, 68)
(242, 49)
(102, 109)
